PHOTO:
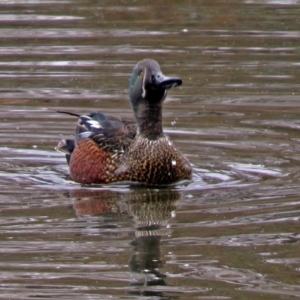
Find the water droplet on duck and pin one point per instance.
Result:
(173, 162)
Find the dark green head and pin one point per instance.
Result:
(148, 84)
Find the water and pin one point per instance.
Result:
(233, 232)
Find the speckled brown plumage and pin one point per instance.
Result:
(154, 161)
(151, 162)
(110, 149)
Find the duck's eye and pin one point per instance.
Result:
(141, 74)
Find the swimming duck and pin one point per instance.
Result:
(109, 148)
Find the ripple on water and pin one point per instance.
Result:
(49, 169)
(230, 233)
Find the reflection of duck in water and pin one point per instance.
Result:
(110, 149)
(150, 209)
(151, 220)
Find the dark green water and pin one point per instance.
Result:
(232, 233)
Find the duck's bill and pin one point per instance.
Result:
(170, 82)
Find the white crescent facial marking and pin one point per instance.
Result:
(165, 94)
(143, 86)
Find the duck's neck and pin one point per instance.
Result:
(149, 120)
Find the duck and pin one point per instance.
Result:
(108, 148)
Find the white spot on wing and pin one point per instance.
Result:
(96, 126)
(84, 135)
(93, 122)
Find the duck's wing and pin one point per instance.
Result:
(111, 133)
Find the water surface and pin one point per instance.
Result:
(231, 233)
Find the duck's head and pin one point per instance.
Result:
(148, 84)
